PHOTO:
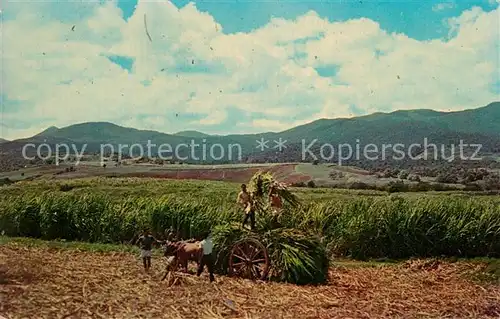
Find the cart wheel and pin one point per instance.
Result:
(249, 259)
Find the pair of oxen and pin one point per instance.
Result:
(180, 253)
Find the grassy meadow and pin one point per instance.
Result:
(357, 224)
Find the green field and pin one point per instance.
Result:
(358, 224)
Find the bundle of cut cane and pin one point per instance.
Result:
(295, 256)
(261, 183)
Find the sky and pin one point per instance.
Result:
(225, 67)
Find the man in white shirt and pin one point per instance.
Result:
(207, 246)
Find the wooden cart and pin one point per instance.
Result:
(249, 259)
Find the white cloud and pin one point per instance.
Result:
(443, 6)
(10, 133)
(63, 76)
(213, 118)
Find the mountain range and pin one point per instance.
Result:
(478, 125)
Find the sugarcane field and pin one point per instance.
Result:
(69, 250)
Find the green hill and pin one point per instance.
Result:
(403, 126)
(478, 125)
(192, 134)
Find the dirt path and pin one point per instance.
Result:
(51, 283)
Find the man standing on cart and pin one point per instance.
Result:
(275, 200)
(245, 200)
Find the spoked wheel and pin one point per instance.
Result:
(249, 259)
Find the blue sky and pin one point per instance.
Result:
(241, 66)
(421, 20)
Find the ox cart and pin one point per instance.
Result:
(246, 257)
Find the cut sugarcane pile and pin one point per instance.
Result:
(261, 183)
(295, 257)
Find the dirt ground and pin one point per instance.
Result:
(57, 283)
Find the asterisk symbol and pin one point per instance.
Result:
(280, 144)
(262, 144)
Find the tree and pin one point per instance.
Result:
(492, 182)
(5, 181)
(398, 186)
(447, 178)
(334, 174)
(403, 175)
(414, 178)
